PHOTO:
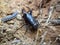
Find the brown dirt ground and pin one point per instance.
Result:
(11, 29)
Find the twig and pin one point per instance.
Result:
(41, 7)
(54, 21)
(50, 11)
(49, 43)
(40, 11)
(43, 37)
(44, 43)
(4, 19)
(37, 35)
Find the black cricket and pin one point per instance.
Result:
(29, 19)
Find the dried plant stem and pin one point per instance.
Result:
(50, 11)
(49, 43)
(4, 19)
(41, 7)
(43, 37)
(36, 38)
(39, 17)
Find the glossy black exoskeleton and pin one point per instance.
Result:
(29, 19)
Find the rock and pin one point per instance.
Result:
(35, 13)
(8, 30)
(0, 21)
(15, 41)
(58, 8)
(19, 17)
(11, 22)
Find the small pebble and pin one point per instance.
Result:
(15, 41)
(44, 43)
(58, 8)
(0, 20)
(10, 22)
(8, 30)
(35, 13)
(19, 17)
(59, 17)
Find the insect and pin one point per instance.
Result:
(29, 19)
(4, 19)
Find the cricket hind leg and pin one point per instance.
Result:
(27, 28)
